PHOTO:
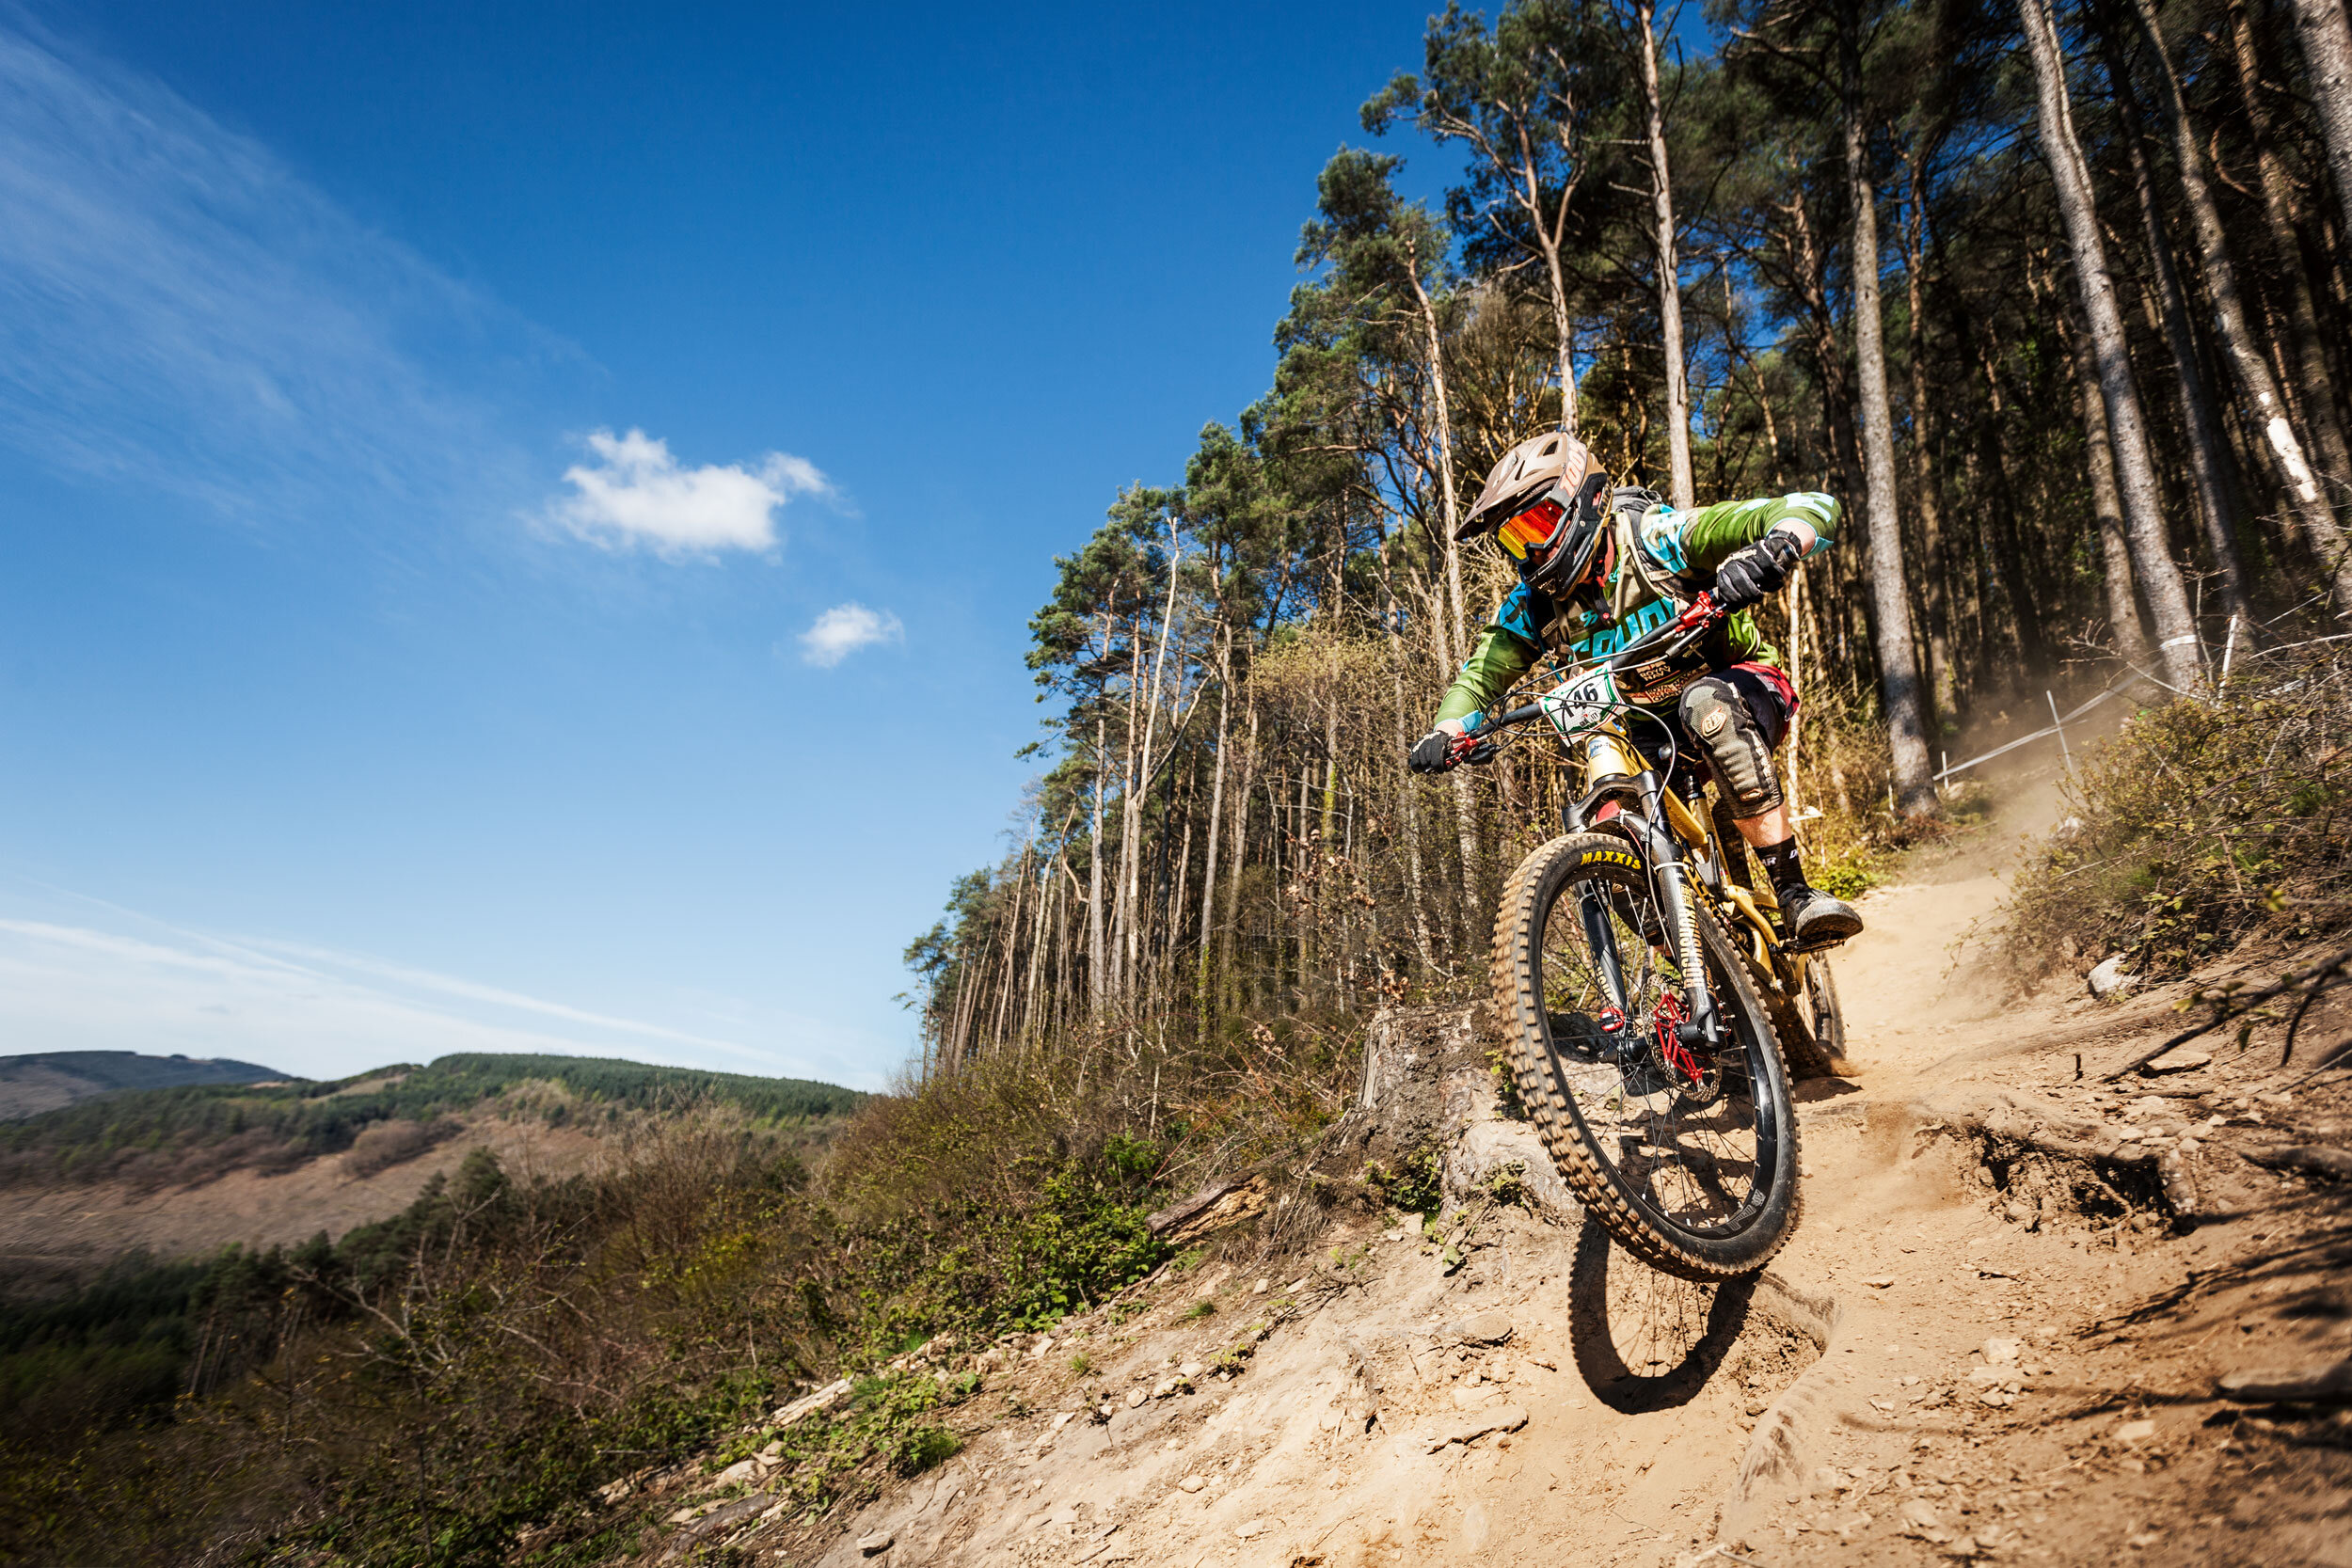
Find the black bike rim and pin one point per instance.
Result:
(1764, 1114)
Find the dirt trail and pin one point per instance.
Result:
(1995, 1336)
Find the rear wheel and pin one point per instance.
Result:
(1811, 1023)
(1822, 1007)
(1687, 1155)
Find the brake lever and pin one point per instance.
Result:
(1703, 611)
(1476, 747)
(1470, 749)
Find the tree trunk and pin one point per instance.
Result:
(2279, 206)
(1465, 809)
(2024, 612)
(2326, 40)
(1772, 429)
(2131, 643)
(1229, 933)
(2159, 577)
(1898, 663)
(1012, 950)
(1098, 978)
(1049, 897)
(2208, 452)
(2295, 474)
(1526, 181)
(1129, 786)
(1176, 909)
(1216, 814)
(1408, 802)
(1457, 644)
(1669, 278)
(1923, 477)
(1140, 784)
(1812, 286)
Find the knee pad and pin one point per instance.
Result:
(1733, 742)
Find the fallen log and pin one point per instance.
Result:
(2334, 1164)
(2319, 1383)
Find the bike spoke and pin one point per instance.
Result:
(1690, 1149)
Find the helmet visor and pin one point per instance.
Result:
(1531, 530)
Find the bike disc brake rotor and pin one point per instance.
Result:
(1692, 1072)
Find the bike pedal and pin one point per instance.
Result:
(1798, 949)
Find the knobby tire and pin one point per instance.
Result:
(1543, 879)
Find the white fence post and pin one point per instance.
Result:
(2056, 723)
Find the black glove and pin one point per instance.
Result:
(1753, 574)
(1432, 753)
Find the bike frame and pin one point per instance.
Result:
(1686, 866)
(1684, 862)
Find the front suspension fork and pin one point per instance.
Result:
(1671, 875)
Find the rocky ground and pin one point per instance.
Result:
(2029, 1316)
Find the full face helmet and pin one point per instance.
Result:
(1542, 503)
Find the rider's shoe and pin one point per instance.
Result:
(1811, 916)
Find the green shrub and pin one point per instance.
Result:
(1847, 871)
(1415, 1185)
(1131, 1160)
(922, 1448)
(2204, 823)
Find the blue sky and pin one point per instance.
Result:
(520, 520)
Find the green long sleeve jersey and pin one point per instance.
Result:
(1659, 560)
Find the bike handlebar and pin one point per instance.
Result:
(1702, 612)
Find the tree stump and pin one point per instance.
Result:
(1426, 1084)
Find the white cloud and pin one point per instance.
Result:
(844, 629)
(637, 493)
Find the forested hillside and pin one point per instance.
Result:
(194, 1130)
(44, 1081)
(2055, 301)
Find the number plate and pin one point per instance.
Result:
(1578, 703)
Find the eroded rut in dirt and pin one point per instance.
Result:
(2025, 1317)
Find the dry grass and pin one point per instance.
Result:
(2204, 825)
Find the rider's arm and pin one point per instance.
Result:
(1705, 537)
(1507, 649)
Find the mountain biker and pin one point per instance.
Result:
(1591, 581)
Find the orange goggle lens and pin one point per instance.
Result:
(1532, 529)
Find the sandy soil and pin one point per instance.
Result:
(58, 1234)
(1996, 1335)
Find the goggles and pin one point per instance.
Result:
(1531, 530)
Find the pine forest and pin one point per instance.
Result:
(2054, 300)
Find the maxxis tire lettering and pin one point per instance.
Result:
(1514, 978)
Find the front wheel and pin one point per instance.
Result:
(1687, 1155)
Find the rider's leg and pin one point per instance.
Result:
(1737, 717)
(1767, 827)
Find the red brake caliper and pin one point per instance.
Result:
(1668, 1019)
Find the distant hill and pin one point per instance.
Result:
(189, 1132)
(54, 1079)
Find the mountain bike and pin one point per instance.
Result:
(1647, 998)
